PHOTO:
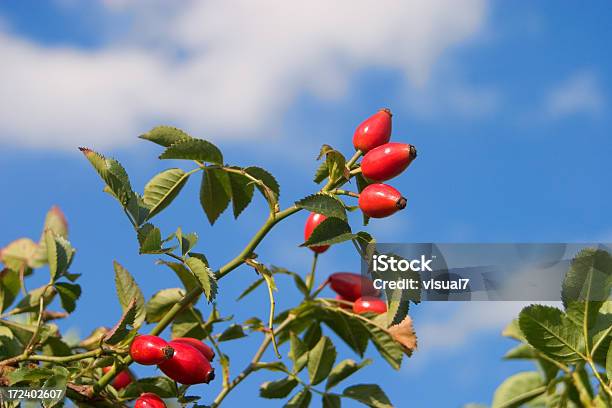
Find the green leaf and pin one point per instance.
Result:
(348, 328)
(513, 330)
(112, 173)
(20, 254)
(149, 238)
(29, 374)
(361, 184)
(370, 394)
(55, 220)
(589, 278)
(277, 389)
(165, 135)
(331, 401)
(10, 285)
(187, 278)
(186, 241)
(336, 163)
(58, 381)
(162, 386)
(242, 192)
(189, 323)
(323, 204)
(162, 189)
(233, 332)
(193, 149)
(549, 331)
(215, 193)
(124, 326)
(251, 288)
(69, 293)
(298, 352)
(343, 370)
(300, 400)
(32, 300)
(59, 254)
(526, 352)
(270, 189)
(518, 390)
(321, 174)
(331, 231)
(161, 302)
(609, 363)
(321, 360)
(128, 292)
(204, 275)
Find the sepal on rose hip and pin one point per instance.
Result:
(381, 200)
(374, 131)
(387, 161)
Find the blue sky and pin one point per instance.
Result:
(508, 104)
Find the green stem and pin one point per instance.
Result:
(311, 276)
(171, 314)
(338, 191)
(252, 365)
(53, 359)
(585, 398)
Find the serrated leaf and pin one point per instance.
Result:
(513, 330)
(165, 135)
(193, 149)
(589, 278)
(69, 293)
(55, 221)
(547, 329)
(123, 327)
(370, 394)
(277, 389)
(348, 328)
(343, 370)
(32, 300)
(271, 189)
(242, 192)
(204, 275)
(28, 374)
(323, 204)
(233, 332)
(300, 400)
(161, 302)
(518, 390)
(215, 193)
(189, 323)
(162, 189)
(112, 173)
(186, 241)
(404, 334)
(331, 401)
(57, 381)
(322, 173)
(187, 278)
(128, 292)
(331, 231)
(149, 238)
(10, 285)
(298, 352)
(137, 209)
(321, 360)
(161, 386)
(56, 256)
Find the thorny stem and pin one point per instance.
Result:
(171, 314)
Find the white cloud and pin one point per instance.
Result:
(218, 68)
(578, 94)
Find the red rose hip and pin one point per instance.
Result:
(122, 380)
(149, 400)
(373, 132)
(387, 161)
(150, 350)
(198, 345)
(187, 365)
(369, 304)
(312, 222)
(351, 286)
(380, 200)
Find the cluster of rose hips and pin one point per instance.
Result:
(382, 161)
(185, 360)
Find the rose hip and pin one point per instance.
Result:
(380, 200)
(373, 132)
(312, 222)
(351, 286)
(150, 350)
(369, 304)
(198, 345)
(387, 161)
(187, 365)
(149, 400)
